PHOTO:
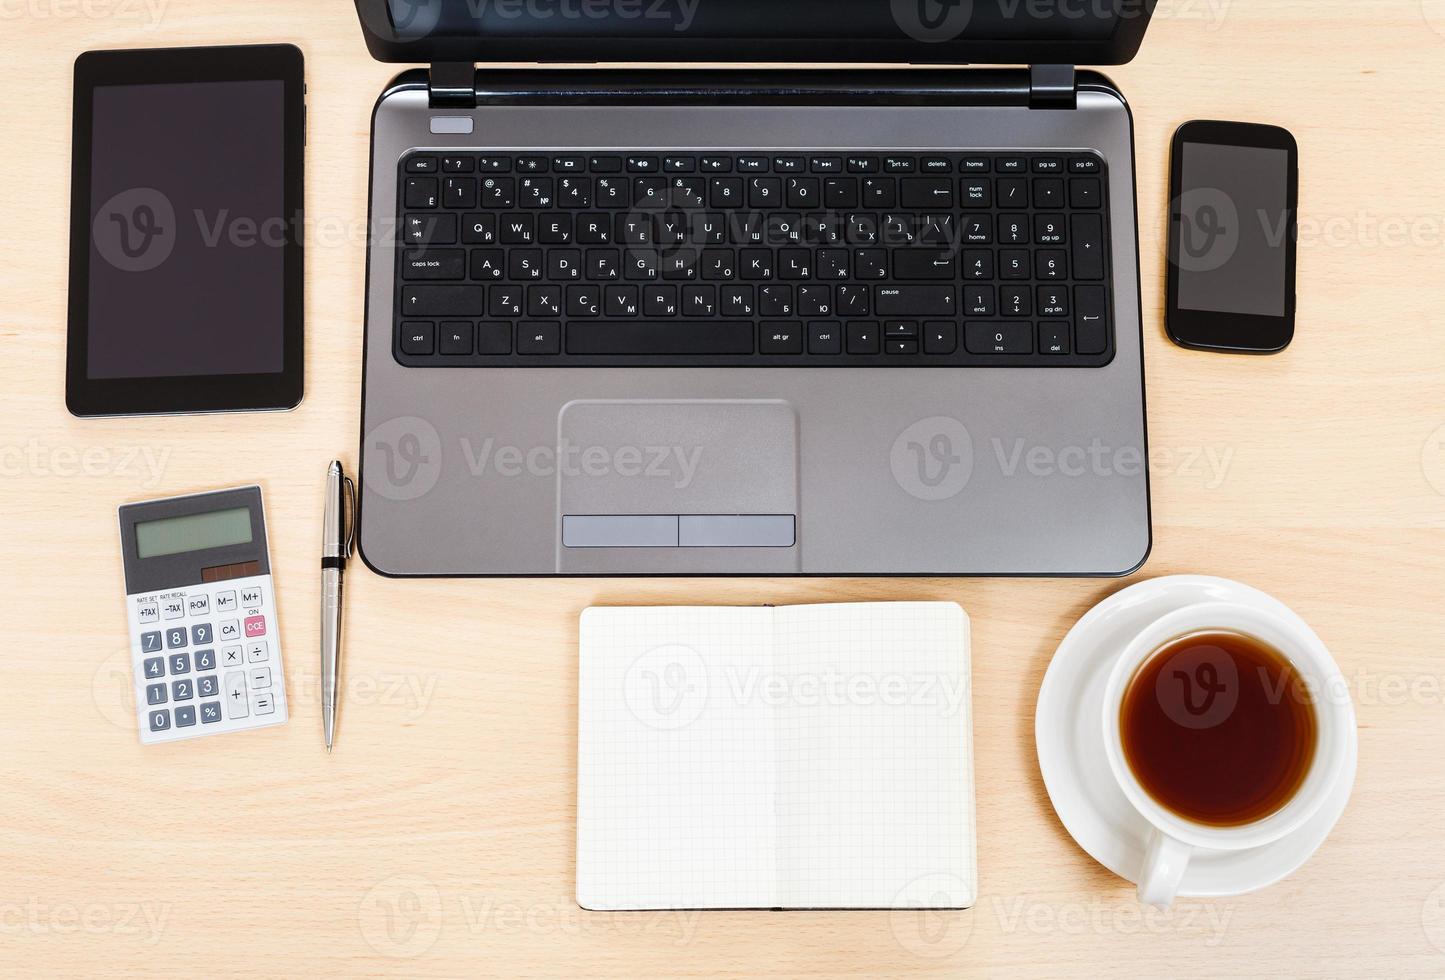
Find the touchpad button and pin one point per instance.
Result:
(728, 470)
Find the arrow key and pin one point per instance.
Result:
(940, 337)
(863, 338)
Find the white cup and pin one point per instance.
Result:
(1173, 839)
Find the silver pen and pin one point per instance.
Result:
(336, 540)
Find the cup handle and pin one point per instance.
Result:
(1164, 862)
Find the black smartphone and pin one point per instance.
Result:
(1234, 197)
(186, 218)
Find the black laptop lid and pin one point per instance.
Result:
(1079, 32)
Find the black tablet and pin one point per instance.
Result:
(186, 226)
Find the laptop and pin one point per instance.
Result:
(769, 321)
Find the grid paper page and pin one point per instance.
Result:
(805, 757)
(875, 756)
(675, 780)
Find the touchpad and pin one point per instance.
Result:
(677, 475)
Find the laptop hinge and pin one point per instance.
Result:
(1052, 87)
(452, 85)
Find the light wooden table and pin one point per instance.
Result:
(439, 837)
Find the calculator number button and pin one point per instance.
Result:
(205, 660)
(237, 703)
(175, 637)
(155, 694)
(226, 601)
(230, 656)
(180, 663)
(182, 690)
(160, 720)
(150, 642)
(186, 717)
(148, 612)
(258, 652)
(230, 630)
(199, 605)
(255, 626)
(155, 667)
(173, 609)
(202, 633)
(210, 712)
(208, 686)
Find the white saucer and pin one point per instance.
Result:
(1071, 748)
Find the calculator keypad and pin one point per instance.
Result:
(207, 660)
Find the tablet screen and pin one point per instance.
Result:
(188, 229)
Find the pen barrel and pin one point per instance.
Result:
(330, 634)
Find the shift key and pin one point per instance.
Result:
(443, 301)
(914, 301)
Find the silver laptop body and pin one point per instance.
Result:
(737, 470)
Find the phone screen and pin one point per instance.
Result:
(1234, 229)
(1235, 190)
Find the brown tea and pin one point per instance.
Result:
(1219, 728)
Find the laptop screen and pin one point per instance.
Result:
(984, 31)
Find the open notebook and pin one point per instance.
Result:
(794, 757)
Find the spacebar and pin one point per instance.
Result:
(659, 337)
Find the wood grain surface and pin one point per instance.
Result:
(438, 839)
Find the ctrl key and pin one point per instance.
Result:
(999, 338)
(418, 338)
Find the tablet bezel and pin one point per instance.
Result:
(172, 395)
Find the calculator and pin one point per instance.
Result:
(205, 650)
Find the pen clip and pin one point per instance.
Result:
(349, 516)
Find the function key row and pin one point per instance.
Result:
(750, 164)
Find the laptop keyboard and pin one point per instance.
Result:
(757, 259)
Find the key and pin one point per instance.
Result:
(1091, 319)
(925, 192)
(922, 263)
(442, 263)
(659, 337)
(998, 338)
(940, 337)
(1087, 231)
(914, 300)
(421, 192)
(443, 300)
(538, 338)
(430, 229)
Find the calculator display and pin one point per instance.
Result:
(193, 532)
